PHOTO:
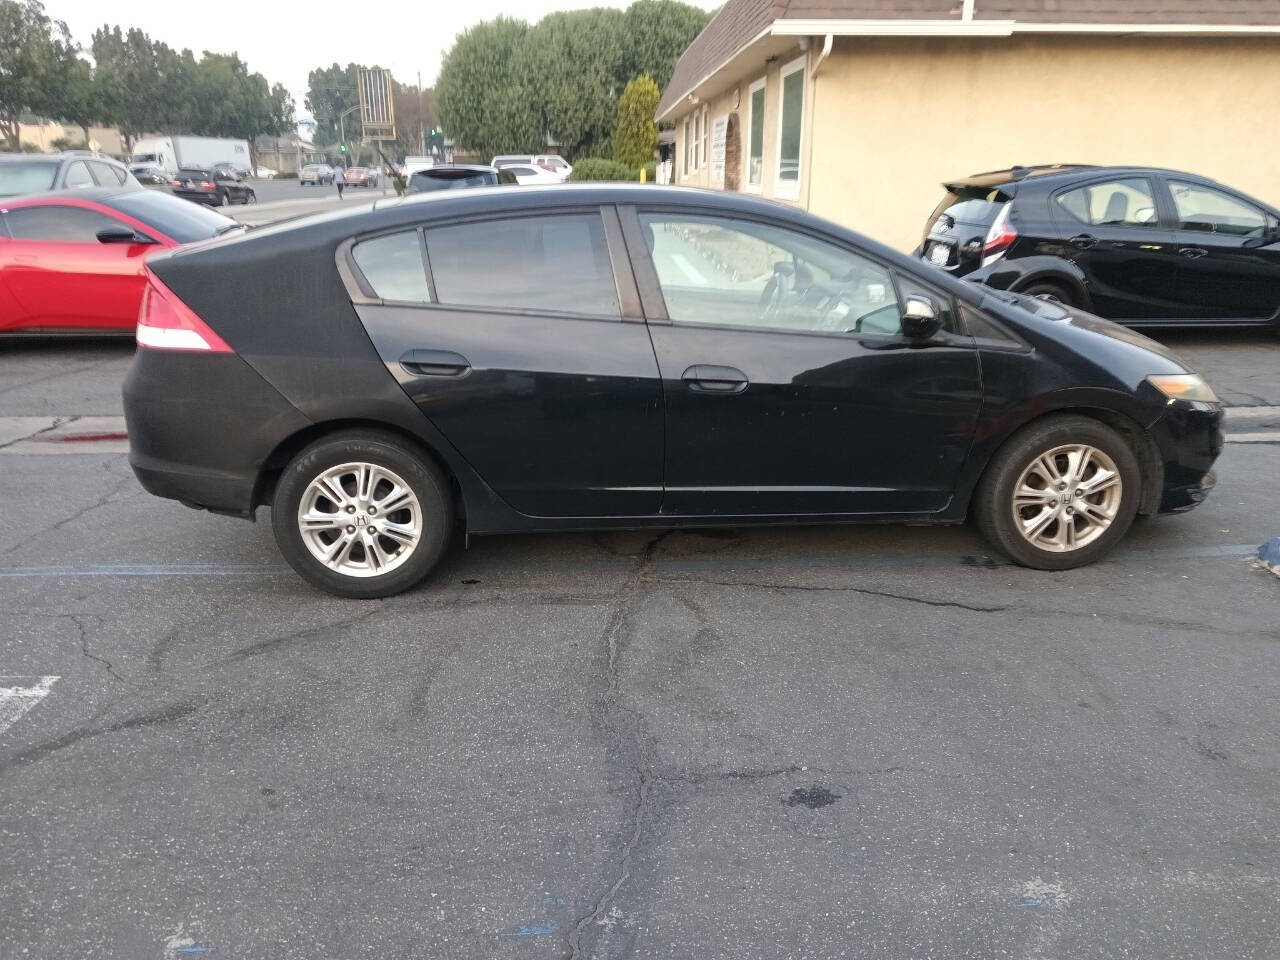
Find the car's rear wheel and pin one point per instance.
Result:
(362, 514)
(251, 197)
(225, 199)
(1053, 292)
(1060, 494)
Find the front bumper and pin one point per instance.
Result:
(202, 426)
(1190, 440)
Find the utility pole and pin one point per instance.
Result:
(422, 120)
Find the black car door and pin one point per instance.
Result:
(789, 388)
(523, 342)
(1113, 231)
(1229, 254)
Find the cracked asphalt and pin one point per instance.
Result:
(824, 742)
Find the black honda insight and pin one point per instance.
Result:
(627, 356)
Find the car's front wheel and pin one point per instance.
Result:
(1060, 494)
(362, 514)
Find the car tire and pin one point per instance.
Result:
(394, 463)
(250, 197)
(1050, 526)
(1047, 290)
(225, 199)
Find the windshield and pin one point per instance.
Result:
(26, 176)
(175, 218)
(144, 158)
(423, 182)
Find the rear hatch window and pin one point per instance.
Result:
(425, 180)
(26, 176)
(969, 205)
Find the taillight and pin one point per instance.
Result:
(166, 323)
(1000, 237)
(206, 185)
(175, 183)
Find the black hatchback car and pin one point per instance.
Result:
(1136, 245)
(218, 186)
(614, 356)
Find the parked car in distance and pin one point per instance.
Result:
(27, 173)
(317, 173)
(361, 176)
(150, 176)
(73, 262)
(219, 187)
(266, 173)
(550, 162)
(458, 176)
(1141, 246)
(531, 174)
(619, 356)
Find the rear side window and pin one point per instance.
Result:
(550, 264)
(394, 268)
(78, 175)
(57, 224)
(26, 176)
(1114, 203)
(970, 204)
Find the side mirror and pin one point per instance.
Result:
(121, 234)
(920, 318)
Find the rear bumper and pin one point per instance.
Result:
(201, 427)
(1189, 438)
(199, 196)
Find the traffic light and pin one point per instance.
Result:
(342, 148)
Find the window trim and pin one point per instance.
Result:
(761, 84)
(632, 215)
(797, 65)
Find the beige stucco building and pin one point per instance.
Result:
(857, 110)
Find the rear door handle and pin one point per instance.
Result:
(1083, 241)
(707, 378)
(1193, 253)
(435, 363)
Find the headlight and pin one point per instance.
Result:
(1184, 386)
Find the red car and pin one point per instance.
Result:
(73, 262)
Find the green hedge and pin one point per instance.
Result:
(600, 168)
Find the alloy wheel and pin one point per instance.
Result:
(1067, 498)
(360, 519)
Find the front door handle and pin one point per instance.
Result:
(707, 378)
(1193, 253)
(435, 363)
(1083, 241)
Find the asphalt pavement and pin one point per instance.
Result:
(871, 742)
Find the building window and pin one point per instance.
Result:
(790, 128)
(755, 138)
(697, 140)
(706, 136)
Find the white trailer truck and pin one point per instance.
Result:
(173, 153)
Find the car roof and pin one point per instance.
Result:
(1061, 172)
(446, 167)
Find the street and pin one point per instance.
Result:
(876, 742)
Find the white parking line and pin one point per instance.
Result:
(1271, 436)
(17, 700)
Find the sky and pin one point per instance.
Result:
(284, 40)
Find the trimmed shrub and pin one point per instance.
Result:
(599, 168)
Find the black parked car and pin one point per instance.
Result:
(623, 356)
(458, 176)
(26, 173)
(1132, 244)
(219, 187)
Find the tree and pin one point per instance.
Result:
(656, 33)
(415, 117)
(75, 95)
(569, 66)
(128, 77)
(29, 53)
(635, 135)
(481, 99)
(330, 92)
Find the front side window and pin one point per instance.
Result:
(549, 264)
(393, 266)
(755, 149)
(1115, 203)
(78, 175)
(57, 224)
(790, 127)
(1206, 210)
(730, 272)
